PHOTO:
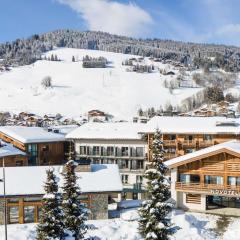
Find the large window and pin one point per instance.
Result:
(207, 137)
(13, 215)
(123, 164)
(110, 151)
(213, 179)
(124, 178)
(83, 150)
(33, 154)
(139, 151)
(29, 214)
(139, 179)
(96, 150)
(124, 151)
(234, 181)
(189, 178)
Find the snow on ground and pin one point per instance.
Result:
(191, 226)
(77, 90)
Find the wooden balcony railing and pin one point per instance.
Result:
(170, 143)
(168, 156)
(206, 143)
(189, 143)
(208, 188)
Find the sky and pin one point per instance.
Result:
(205, 21)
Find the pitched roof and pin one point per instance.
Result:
(7, 150)
(232, 147)
(107, 131)
(30, 180)
(207, 125)
(30, 134)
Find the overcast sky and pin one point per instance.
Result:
(210, 21)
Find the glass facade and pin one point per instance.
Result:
(29, 214)
(213, 180)
(33, 154)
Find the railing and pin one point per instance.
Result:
(170, 155)
(189, 143)
(170, 142)
(204, 187)
(206, 143)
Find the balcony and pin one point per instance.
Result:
(170, 143)
(209, 188)
(168, 156)
(189, 143)
(206, 143)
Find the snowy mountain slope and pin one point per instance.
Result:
(77, 90)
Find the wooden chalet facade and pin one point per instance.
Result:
(46, 149)
(208, 178)
(183, 135)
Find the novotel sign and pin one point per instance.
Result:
(224, 192)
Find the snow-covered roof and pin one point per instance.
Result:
(207, 125)
(30, 180)
(123, 130)
(233, 146)
(7, 149)
(30, 134)
(63, 129)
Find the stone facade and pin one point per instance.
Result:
(99, 206)
(1, 211)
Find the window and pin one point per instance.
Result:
(193, 198)
(96, 150)
(110, 151)
(83, 150)
(123, 164)
(45, 148)
(139, 179)
(29, 214)
(184, 178)
(13, 215)
(33, 154)
(213, 180)
(19, 163)
(124, 178)
(234, 181)
(124, 151)
(172, 137)
(189, 138)
(207, 137)
(139, 151)
(189, 150)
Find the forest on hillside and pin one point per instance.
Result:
(27, 51)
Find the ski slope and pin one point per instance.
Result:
(77, 90)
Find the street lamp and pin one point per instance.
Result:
(5, 200)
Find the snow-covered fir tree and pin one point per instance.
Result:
(51, 221)
(75, 213)
(154, 222)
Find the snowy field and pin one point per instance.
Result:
(77, 90)
(191, 226)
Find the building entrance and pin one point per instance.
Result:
(214, 202)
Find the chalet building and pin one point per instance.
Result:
(24, 190)
(114, 143)
(182, 135)
(41, 147)
(207, 179)
(98, 116)
(11, 155)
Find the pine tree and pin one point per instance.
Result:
(154, 222)
(75, 213)
(51, 220)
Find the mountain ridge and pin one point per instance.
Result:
(27, 51)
